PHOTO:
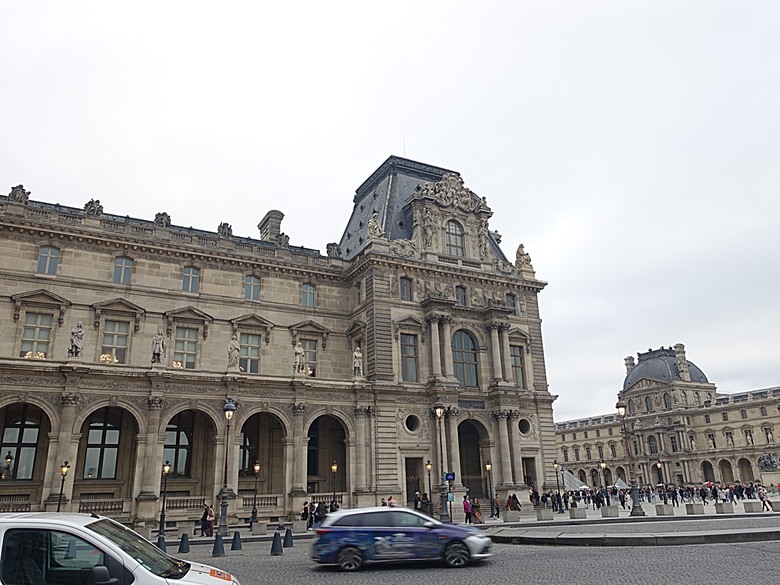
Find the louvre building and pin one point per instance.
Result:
(126, 342)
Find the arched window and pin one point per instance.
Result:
(454, 238)
(697, 399)
(178, 443)
(464, 358)
(667, 400)
(631, 407)
(649, 403)
(20, 439)
(652, 444)
(103, 443)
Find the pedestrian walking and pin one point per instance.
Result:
(467, 509)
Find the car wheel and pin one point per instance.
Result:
(456, 555)
(350, 559)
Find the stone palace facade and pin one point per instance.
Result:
(675, 417)
(125, 338)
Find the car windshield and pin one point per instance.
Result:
(151, 558)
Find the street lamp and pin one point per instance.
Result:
(489, 469)
(9, 459)
(660, 467)
(636, 507)
(64, 469)
(428, 468)
(558, 485)
(603, 466)
(253, 519)
(229, 408)
(438, 410)
(334, 467)
(165, 471)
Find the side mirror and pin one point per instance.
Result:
(99, 575)
(430, 524)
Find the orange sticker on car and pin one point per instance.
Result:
(221, 574)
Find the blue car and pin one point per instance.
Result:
(349, 538)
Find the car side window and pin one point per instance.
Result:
(377, 519)
(406, 520)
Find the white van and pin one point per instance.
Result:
(42, 548)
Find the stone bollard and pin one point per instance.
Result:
(578, 513)
(694, 509)
(609, 512)
(219, 548)
(184, 543)
(753, 506)
(276, 545)
(546, 513)
(724, 508)
(299, 526)
(236, 544)
(664, 510)
(288, 539)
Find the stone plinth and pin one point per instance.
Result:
(511, 515)
(609, 512)
(299, 525)
(261, 527)
(724, 508)
(752, 506)
(544, 514)
(578, 513)
(664, 510)
(694, 509)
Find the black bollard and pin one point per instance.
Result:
(288, 541)
(161, 542)
(236, 545)
(219, 548)
(276, 545)
(184, 544)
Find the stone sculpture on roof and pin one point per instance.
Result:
(374, 229)
(93, 207)
(19, 195)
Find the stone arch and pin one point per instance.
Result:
(346, 421)
(51, 413)
(726, 471)
(261, 440)
(621, 473)
(84, 412)
(474, 452)
(327, 436)
(707, 471)
(745, 467)
(582, 476)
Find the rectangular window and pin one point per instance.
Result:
(566, 455)
(763, 411)
(673, 443)
(585, 434)
(587, 453)
(307, 295)
(576, 454)
(251, 288)
(310, 349)
(460, 296)
(511, 303)
(36, 335)
(725, 416)
(190, 281)
(408, 358)
(574, 436)
(114, 348)
(518, 365)
(601, 451)
(48, 260)
(123, 270)
(406, 289)
(707, 418)
(185, 349)
(249, 361)
(613, 450)
(611, 431)
(743, 413)
(598, 432)
(563, 437)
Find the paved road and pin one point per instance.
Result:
(687, 565)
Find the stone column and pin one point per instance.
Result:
(447, 335)
(150, 481)
(451, 414)
(289, 461)
(68, 402)
(361, 412)
(495, 348)
(509, 375)
(435, 347)
(299, 451)
(503, 445)
(441, 438)
(514, 445)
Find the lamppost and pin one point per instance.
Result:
(428, 468)
(9, 459)
(438, 410)
(334, 467)
(558, 485)
(489, 469)
(165, 471)
(229, 408)
(253, 519)
(636, 507)
(660, 467)
(64, 469)
(603, 466)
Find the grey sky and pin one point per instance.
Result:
(633, 147)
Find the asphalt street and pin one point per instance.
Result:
(687, 565)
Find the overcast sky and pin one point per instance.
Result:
(632, 147)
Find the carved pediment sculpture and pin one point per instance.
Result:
(188, 314)
(404, 248)
(451, 192)
(252, 321)
(118, 306)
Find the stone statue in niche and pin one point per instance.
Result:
(158, 347)
(374, 229)
(299, 359)
(357, 363)
(482, 234)
(76, 347)
(234, 351)
(428, 227)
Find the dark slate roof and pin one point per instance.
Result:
(661, 365)
(385, 192)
